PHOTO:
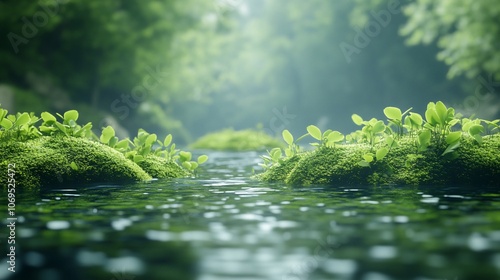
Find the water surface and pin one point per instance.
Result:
(223, 225)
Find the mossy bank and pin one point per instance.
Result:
(472, 164)
(62, 161)
(444, 148)
(237, 140)
(60, 152)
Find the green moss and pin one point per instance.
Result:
(330, 165)
(472, 164)
(279, 172)
(241, 140)
(45, 162)
(159, 167)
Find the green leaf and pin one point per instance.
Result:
(357, 119)
(453, 137)
(442, 112)
(424, 139)
(72, 123)
(275, 154)
(430, 114)
(62, 128)
(287, 136)
(113, 141)
(326, 133)
(476, 129)
(185, 156)
(6, 123)
(150, 140)
(123, 144)
(335, 137)
(381, 153)
(393, 113)
(194, 165)
(364, 163)
(3, 113)
(168, 140)
(466, 125)
(450, 114)
(202, 159)
(83, 131)
(416, 119)
(73, 166)
(368, 157)
(48, 118)
(138, 158)
(187, 165)
(23, 119)
(453, 122)
(71, 115)
(478, 138)
(47, 129)
(314, 131)
(106, 135)
(451, 148)
(378, 127)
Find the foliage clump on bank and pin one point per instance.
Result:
(440, 148)
(237, 140)
(63, 152)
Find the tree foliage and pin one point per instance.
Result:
(467, 31)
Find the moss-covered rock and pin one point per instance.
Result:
(471, 164)
(159, 167)
(46, 162)
(240, 140)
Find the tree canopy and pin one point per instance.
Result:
(467, 32)
(193, 66)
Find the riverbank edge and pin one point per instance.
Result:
(470, 164)
(51, 161)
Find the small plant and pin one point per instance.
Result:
(145, 144)
(395, 118)
(413, 123)
(292, 148)
(439, 121)
(21, 127)
(372, 130)
(474, 128)
(275, 155)
(68, 127)
(327, 139)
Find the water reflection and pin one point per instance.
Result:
(223, 225)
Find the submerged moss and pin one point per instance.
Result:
(472, 164)
(241, 140)
(46, 162)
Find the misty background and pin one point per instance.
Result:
(189, 67)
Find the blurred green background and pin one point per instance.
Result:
(188, 67)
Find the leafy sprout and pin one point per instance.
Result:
(436, 131)
(22, 126)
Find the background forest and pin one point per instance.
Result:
(188, 67)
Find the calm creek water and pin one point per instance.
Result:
(223, 225)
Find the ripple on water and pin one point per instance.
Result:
(127, 264)
(58, 225)
(121, 224)
(159, 235)
(342, 267)
(383, 252)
